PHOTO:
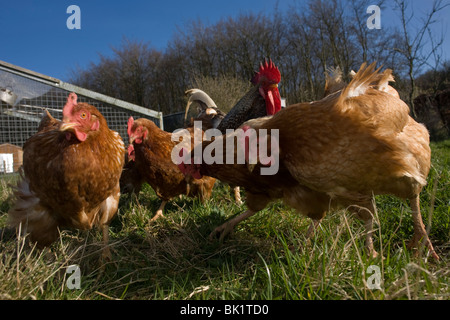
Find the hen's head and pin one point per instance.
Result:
(137, 132)
(267, 78)
(80, 119)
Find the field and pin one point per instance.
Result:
(267, 257)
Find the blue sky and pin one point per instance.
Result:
(33, 34)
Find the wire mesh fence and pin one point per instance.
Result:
(24, 95)
(174, 121)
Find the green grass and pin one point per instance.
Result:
(267, 257)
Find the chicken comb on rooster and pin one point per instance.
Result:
(268, 72)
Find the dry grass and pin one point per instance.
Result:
(225, 91)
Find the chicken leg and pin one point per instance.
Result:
(159, 212)
(106, 252)
(237, 195)
(420, 236)
(107, 211)
(364, 212)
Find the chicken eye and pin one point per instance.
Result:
(83, 115)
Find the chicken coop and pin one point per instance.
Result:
(25, 94)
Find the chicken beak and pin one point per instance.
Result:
(67, 126)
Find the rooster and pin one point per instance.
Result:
(210, 116)
(337, 152)
(150, 149)
(263, 99)
(70, 178)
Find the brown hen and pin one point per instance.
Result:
(71, 171)
(151, 149)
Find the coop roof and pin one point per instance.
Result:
(32, 75)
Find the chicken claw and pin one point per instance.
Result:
(237, 196)
(228, 226)
(159, 212)
(222, 231)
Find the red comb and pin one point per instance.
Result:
(72, 97)
(130, 125)
(70, 103)
(267, 71)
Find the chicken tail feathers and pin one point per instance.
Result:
(333, 74)
(333, 80)
(30, 217)
(202, 98)
(384, 79)
(383, 83)
(369, 77)
(363, 79)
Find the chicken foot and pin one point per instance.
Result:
(237, 195)
(228, 227)
(159, 212)
(420, 236)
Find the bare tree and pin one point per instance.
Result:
(303, 42)
(127, 75)
(412, 44)
(224, 90)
